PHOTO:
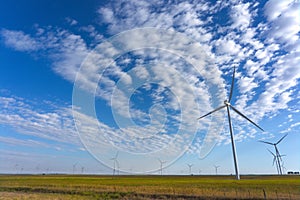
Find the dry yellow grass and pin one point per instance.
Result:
(148, 187)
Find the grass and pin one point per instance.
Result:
(148, 187)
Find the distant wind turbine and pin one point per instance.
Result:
(274, 160)
(74, 167)
(161, 165)
(116, 163)
(278, 156)
(216, 168)
(16, 167)
(190, 168)
(228, 106)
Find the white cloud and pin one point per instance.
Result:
(19, 41)
(28, 142)
(71, 21)
(69, 55)
(56, 125)
(295, 124)
(285, 21)
(227, 47)
(274, 8)
(241, 16)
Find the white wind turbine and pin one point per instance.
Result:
(278, 156)
(216, 168)
(190, 168)
(274, 160)
(228, 106)
(116, 163)
(161, 165)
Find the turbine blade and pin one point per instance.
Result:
(232, 84)
(271, 152)
(266, 142)
(212, 111)
(246, 117)
(281, 139)
(274, 159)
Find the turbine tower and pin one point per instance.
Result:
(190, 168)
(161, 165)
(216, 168)
(278, 156)
(228, 106)
(74, 167)
(116, 163)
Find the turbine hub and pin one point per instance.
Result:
(226, 103)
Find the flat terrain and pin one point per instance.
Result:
(148, 187)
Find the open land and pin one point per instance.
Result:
(148, 187)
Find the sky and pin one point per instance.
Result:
(102, 85)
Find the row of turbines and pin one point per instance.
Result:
(277, 160)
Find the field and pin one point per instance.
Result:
(148, 187)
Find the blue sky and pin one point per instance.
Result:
(84, 82)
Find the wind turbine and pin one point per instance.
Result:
(274, 160)
(16, 167)
(228, 106)
(278, 156)
(74, 167)
(190, 168)
(115, 159)
(161, 165)
(216, 167)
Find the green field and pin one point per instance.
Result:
(148, 187)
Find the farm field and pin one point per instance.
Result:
(148, 187)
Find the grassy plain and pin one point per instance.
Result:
(148, 187)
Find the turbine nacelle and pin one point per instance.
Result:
(227, 103)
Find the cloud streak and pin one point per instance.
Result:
(56, 125)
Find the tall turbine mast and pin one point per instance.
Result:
(216, 168)
(161, 165)
(228, 107)
(116, 163)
